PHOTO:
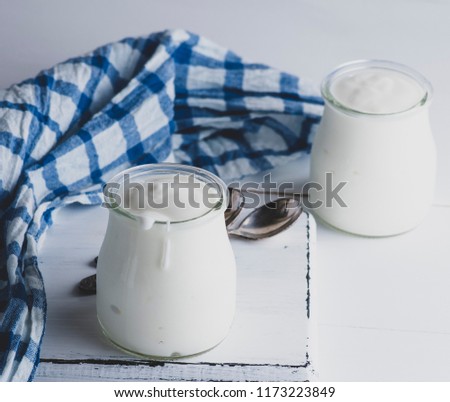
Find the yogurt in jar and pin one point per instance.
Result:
(375, 137)
(166, 277)
(377, 91)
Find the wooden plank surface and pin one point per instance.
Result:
(271, 338)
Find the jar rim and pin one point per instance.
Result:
(381, 64)
(170, 168)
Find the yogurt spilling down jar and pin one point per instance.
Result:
(166, 279)
(375, 137)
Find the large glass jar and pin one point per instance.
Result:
(166, 288)
(384, 153)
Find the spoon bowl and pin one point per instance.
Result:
(268, 219)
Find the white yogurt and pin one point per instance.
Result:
(169, 198)
(166, 277)
(377, 91)
(375, 136)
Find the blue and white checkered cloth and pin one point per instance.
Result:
(140, 100)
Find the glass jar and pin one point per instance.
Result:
(387, 160)
(166, 289)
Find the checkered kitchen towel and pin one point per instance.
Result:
(65, 132)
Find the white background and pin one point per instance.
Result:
(384, 305)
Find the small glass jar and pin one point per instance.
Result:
(386, 160)
(167, 290)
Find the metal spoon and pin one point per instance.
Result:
(237, 200)
(268, 219)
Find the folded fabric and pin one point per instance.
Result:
(140, 100)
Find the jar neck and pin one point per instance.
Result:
(121, 217)
(335, 110)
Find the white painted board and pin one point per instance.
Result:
(271, 339)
